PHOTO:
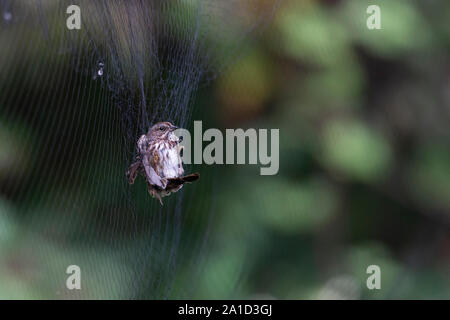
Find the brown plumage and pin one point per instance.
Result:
(159, 161)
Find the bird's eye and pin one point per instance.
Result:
(161, 128)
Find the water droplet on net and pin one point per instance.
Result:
(99, 70)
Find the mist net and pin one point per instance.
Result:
(74, 103)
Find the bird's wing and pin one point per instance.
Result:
(150, 162)
(142, 144)
(133, 171)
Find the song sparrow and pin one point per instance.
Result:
(159, 161)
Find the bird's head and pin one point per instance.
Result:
(162, 130)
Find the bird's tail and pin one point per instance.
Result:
(174, 182)
(191, 177)
(133, 171)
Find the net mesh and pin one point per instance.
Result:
(75, 102)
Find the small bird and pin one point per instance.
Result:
(159, 161)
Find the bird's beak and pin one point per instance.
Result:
(173, 128)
